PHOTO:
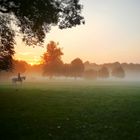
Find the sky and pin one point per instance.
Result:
(111, 33)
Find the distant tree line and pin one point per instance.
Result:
(54, 66)
(104, 73)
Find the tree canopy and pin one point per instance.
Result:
(52, 60)
(34, 18)
(77, 67)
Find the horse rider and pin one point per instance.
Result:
(19, 77)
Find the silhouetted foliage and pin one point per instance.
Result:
(103, 72)
(5, 62)
(52, 60)
(118, 72)
(34, 18)
(77, 67)
(6, 43)
(90, 74)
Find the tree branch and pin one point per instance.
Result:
(5, 11)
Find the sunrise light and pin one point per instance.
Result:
(70, 69)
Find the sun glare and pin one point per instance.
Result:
(30, 59)
(29, 54)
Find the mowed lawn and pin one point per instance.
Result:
(70, 110)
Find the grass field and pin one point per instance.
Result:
(70, 110)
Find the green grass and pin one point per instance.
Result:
(70, 111)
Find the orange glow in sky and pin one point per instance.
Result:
(28, 53)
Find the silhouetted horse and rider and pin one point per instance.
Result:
(18, 79)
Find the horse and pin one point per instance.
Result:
(15, 80)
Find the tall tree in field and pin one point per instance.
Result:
(34, 19)
(52, 60)
(77, 67)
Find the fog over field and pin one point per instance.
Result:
(36, 81)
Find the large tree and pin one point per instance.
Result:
(77, 67)
(34, 18)
(52, 60)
